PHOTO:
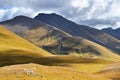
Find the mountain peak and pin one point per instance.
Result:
(21, 17)
(50, 14)
(24, 21)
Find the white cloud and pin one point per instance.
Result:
(114, 11)
(98, 8)
(26, 11)
(12, 12)
(80, 3)
(100, 26)
(116, 25)
(2, 13)
(15, 11)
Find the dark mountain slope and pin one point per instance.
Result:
(80, 30)
(20, 24)
(23, 21)
(113, 32)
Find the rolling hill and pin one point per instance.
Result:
(40, 72)
(9, 40)
(111, 71)
(86, 32)
(14, 49)
(57, 41)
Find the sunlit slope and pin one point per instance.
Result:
(59, 42)
(11, 40)
(111, 71)
(39, 72)
(13, 48)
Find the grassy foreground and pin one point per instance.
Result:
(39, 72)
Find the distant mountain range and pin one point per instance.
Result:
(113, 32)
(56, 30)
(86, 32)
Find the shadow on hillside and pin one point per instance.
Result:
(11, 59)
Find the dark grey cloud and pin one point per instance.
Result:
(108, 21)
(47, 4)
(34, 4)
(88, 12)
(93, 22)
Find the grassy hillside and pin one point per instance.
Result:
(111, 71)
(39, 72)
(14, 49)
(14, 46)
(11, 40)
(57, 41)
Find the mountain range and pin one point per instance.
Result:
(47, 45)
(86, 32)
(113, 32)
(20, 25)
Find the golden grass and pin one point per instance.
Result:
(111, 71)
(15, 50)
(85, 67)
(9, 40)
(90, 65)
(104, 52)
(13, 45)
(39, 72)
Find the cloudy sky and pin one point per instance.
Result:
(95, 13)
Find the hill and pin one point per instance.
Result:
(57, 41)
(111, 71)
(83, 31)
(40, 72)
(14, 49)
(17, 50)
